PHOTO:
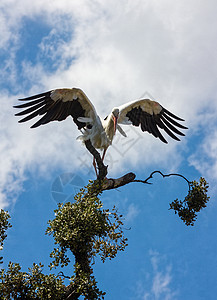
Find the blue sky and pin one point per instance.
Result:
(115, 52)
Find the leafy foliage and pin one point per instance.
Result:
(195, 200)
(86, 229)
(4, 225)
(16, 284)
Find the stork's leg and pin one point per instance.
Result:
(103, 155)
(94, 161)
(94, 165)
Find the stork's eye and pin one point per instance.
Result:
(89, 126)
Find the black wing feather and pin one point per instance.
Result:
(33, 115)
(173, 121)
(46, 94)
(27, 104)
(171, 115)
(43, 104)
(29, 110)
(173, 128)
(151, 123)
(165, 128)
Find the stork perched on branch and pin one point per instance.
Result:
(58, 104)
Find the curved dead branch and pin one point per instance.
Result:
(163, 175)
(112, 183)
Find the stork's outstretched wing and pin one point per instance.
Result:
(151, 116)
(57, 105)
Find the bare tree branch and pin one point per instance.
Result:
(101, 167)
(111, 183)
(163, 175)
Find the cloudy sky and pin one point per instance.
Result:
(116, 51)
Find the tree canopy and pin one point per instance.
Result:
(86, 229)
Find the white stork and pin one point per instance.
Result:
(58, 104)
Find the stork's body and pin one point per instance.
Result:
(58, 104)
(101, 132)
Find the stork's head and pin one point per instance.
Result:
(115, 115)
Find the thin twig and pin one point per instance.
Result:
(61, 274)
(163, 175)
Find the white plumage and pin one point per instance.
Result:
(58, 104)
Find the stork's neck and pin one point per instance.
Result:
(109, 127)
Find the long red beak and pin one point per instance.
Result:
(115, 123)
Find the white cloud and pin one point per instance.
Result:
(205, 157)
(115, 51)
(161, 280)
(132, 213)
